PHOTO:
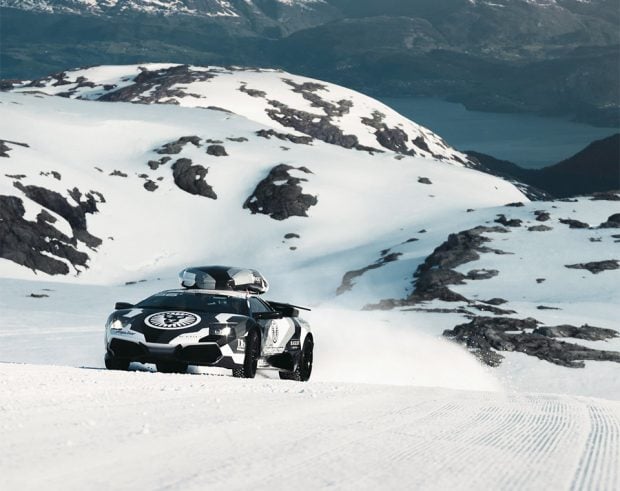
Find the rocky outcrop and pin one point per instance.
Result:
(596, 267)
(156, 86)
(542, 215)
(512, 222)
(303, 140)
(539, 228)
(574, 223)
(155, 164)
(280, 194)
(485, 336)
(437, 272)
(589, 333)
(424, 180)
(191, 178)
(394, 139)
(5, 147)
(347, 280)
(217, 150)
(75, 215)
(612, 222)
(309, 92)
(175, 147)
(36, 245)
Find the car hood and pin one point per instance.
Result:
(163, 325)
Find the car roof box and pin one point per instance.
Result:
(223, 278)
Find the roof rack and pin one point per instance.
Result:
(224, 278)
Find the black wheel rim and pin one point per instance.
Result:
(306, 364)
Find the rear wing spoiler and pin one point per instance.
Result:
(287, 309)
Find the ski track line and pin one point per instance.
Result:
(598, 467)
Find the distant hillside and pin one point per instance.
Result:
(595, 168)
(554, 58)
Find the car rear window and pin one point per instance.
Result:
(196, 301)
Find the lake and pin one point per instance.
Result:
(527, 140)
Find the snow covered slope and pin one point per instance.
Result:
(74, 429)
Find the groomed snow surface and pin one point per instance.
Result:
(70, 428)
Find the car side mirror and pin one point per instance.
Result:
(267, 315)
(122, 305)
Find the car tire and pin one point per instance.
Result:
(304, 369)
(252, 354)
(171, 367)
(112, 363)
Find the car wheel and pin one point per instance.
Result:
(304, 369)
(252, 354)
(112, 363)
(171, 367)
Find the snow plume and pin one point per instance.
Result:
(388, 348)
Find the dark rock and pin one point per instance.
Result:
(514, 222)
(595, 239)
(155, 164)
(239, 139)
(280, 195)
(175, 147)
(303, 140)
(347, 280)
(573, 223)
(481, 274)
(437, 272)
(393, 139)
(606, 196)
(35, 245)
(217, 151)
(75, 215)
(612, 222)
(544, 307)
(495, 301)
(291, 236)
(424, 180)
(252, 92)
(469, 210)
(118, 173)
(540, 280)
(412, 239)
(587, 332)
(150, 185)
(596, 267)
(492, 309)
(15, 176)
(484, 336)
(517, 204)
(423, 231)
(309, 90)
(38, 295)
(155, 86)
(542, 216)
(539, 228)
(191, 178)
(5, 147)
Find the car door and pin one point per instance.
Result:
(275, 332)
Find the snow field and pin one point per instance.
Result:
(73, 428)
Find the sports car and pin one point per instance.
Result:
(215, 319)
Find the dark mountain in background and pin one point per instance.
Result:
(541, 56)
(596, 168)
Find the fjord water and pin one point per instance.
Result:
(524, 139)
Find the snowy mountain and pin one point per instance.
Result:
(113, 178)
